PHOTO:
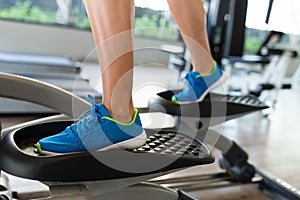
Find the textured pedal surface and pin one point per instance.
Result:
(173, 144)
(245, 100)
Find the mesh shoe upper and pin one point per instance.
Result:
(96, 131)
(197, 85)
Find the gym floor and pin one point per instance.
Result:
(272, 143)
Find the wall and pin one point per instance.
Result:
(60, 40)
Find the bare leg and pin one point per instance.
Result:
(190, 16)
(112, 25)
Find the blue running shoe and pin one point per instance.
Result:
(198, 85)
(97, 131)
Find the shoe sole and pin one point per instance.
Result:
(130, 144)
(217, 84)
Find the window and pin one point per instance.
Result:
(59, 12)
(153, 20)
(284, 18)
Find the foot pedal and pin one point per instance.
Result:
(214, 105)
(164, 152)
(173, 144)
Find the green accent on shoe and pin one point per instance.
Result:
(124, 124)
(213, 71)
(174, 100)
(39, 149)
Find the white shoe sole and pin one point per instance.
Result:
(133, 143)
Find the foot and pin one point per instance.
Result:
(97, 131)
(199, 85)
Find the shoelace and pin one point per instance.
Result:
(83, 121)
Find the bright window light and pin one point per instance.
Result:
(285, 16)
(152, 4)
(256, 14)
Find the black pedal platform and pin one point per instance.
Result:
(173, 144)
(163, 152)
(214, 105)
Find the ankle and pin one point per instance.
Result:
(125, 119)
(123, 116)
(207, 72)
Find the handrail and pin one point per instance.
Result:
(23, 88)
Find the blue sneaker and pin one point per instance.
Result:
(198, 85)
(97, 131)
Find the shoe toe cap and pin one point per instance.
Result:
(60, 143)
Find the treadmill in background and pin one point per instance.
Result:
(60, 71)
